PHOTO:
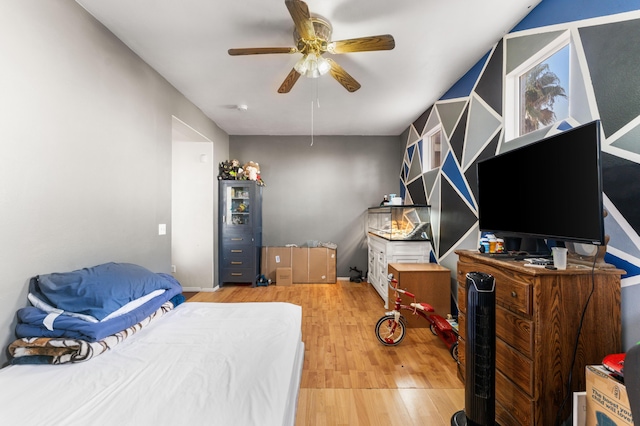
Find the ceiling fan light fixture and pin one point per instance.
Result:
(302, 65)
(312, 65)
(324, 66)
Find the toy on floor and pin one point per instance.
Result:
(391, 328)
(262, 281)
(358, 278)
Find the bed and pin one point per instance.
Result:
(195, 363)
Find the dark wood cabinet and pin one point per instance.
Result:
(240, 231)
(538, 315)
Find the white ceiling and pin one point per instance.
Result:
(186, 41)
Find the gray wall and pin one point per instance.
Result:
(85, 150)
(321, 192)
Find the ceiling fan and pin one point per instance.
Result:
(312, 35)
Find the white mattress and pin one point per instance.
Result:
(202, 363)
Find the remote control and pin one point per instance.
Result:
(540, 261)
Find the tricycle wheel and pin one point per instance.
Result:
(432, 327)
(389, 332)
(454, 351)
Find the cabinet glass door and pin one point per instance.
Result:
(238, 205)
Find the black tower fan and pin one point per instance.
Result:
(479, 390)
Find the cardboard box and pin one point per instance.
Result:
(283, 276)
(607, 401)
(315, 265)
(273, 258)
(309, 265)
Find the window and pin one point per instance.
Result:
(431, 149)
(537, 92)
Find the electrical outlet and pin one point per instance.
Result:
(173, 268)
(162, 229)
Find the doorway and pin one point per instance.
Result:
(192, 208)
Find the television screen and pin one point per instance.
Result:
(548, 189)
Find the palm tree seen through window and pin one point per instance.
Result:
(544, 92)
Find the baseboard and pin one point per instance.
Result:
(200, 289)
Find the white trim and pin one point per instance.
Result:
(427, 150)
(512, 83)
(190, 129)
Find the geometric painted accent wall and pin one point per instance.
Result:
(605, 85)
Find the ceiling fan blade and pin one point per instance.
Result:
(363, 44)
(343, 77)
(261, 50)
(301, 18)
(288, 82)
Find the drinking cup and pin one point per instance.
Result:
(559, 257)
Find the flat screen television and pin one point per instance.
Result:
(549, 189)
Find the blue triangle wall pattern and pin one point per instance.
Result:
(612, 52)
(607, 87)
(451, 170)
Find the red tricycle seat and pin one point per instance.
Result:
(423, 307)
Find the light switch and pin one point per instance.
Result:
(162, 229)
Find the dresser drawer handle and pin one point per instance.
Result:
(236, 263)
(236, 251)
(237, 239)
(236, 274)
(514, 294)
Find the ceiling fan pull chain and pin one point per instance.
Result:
(311, 123)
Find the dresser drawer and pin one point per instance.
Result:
(514, 295)
(515, 365)
(515, 402)
(233, 239)
(514, 290)
(516, 331)
(238, 275)
(239, 251)
(504, 418)
(234, 262)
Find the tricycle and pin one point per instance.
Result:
(391, 328)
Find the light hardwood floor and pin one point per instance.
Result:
(348, 377)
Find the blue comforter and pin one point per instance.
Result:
(99, 290)
(31, 319)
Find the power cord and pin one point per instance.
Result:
(575, 347)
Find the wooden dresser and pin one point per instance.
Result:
(538, 313)
(430, 282)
